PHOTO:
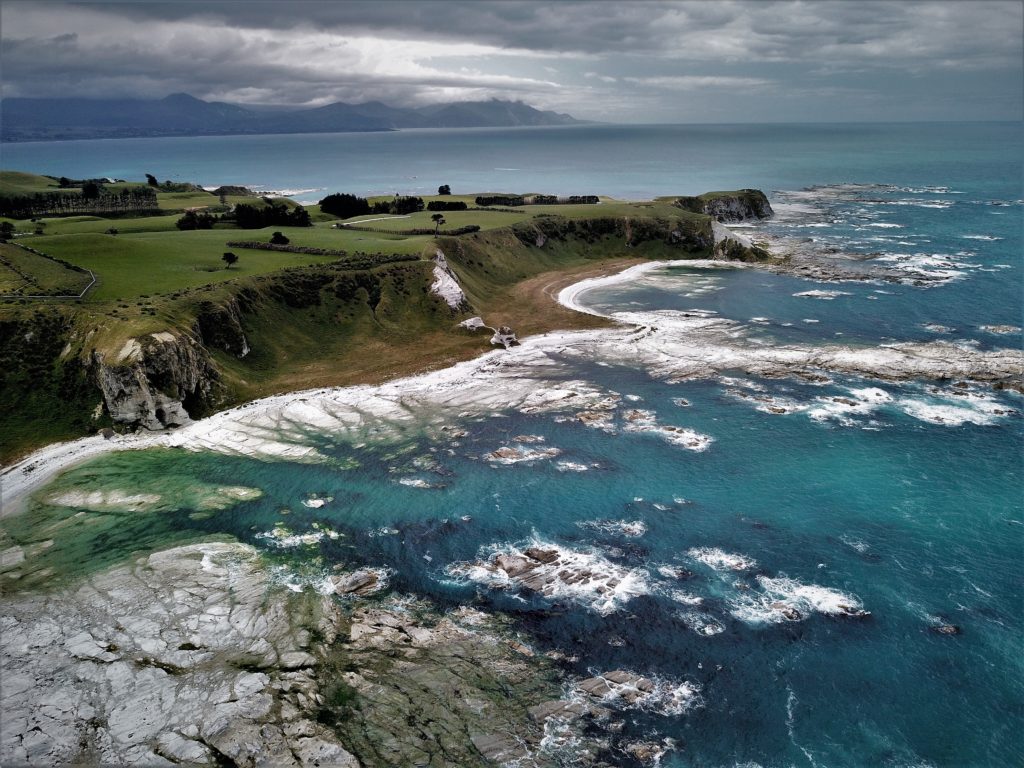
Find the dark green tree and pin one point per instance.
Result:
(344, 206)
(444, 189)
(151, 180)
(438, 220)
(229, 258)
(6, 231)
(90, 190)
(193, 220)
(279, 239)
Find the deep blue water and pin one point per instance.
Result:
(629, 162)
(916, 520)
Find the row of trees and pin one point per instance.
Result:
(94, 198)
(446, 205)
(345, 206)
(249, 217)
(517, 200)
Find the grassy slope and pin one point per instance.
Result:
(20, 183)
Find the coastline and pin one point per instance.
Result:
(569, 295)
(28, 474)
(693, 345)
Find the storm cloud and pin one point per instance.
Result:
(626, 61)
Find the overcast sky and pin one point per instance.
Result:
(704, 61)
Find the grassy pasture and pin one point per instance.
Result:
(25, 273)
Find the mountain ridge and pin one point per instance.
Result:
(180, 114)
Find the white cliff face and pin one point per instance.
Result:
(445, 283)
(150, 378)
(725, 238)
(186, 656)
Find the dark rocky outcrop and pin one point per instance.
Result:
(220, 326)
(742, 205)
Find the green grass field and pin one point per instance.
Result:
(150, 256)
(25, 273)
(129, 266)
(20, 183)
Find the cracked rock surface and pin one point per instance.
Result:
(182, 657)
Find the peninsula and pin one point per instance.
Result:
(120, 311)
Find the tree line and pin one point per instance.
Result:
(345, 206)
(249, 217)
(92, 199)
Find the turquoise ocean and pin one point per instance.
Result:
(901, 500)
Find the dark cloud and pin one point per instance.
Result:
(601, 60)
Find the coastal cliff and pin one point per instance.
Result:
(161, 380)
(364, 318)
(729, 207)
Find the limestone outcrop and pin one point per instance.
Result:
(187, 656)
(446, 284)
(156, 381)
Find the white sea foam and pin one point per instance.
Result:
(627, 690)
(628, 528)
(572, 466)
(581, 576)
(980, 411)
(417, 482)
(720, 560)
(282, 538)
(702, 623)
(645, 422)
(824, 295)
(841, 409)
(683, 597)
(783, 599)
(316, 502)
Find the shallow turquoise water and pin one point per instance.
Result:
(918, 522)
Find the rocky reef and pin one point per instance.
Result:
(178, 658)
(196, 656)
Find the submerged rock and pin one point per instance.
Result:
(362, 582)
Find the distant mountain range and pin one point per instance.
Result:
(183, 115)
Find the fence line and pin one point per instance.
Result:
(64, 264)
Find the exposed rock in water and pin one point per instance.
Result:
(555, 572)
(448, 690)
(193, 655)
(361, 582)
(156, 380)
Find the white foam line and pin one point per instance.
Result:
(570, 295)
